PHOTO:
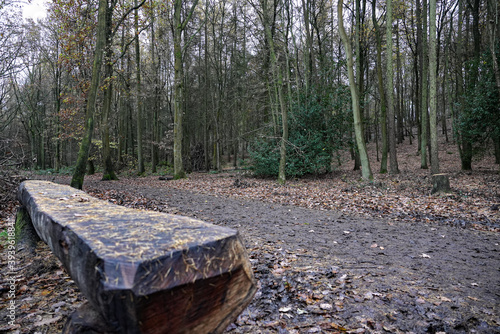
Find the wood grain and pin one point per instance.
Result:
(143, 271)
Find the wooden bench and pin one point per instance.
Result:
(141, 271)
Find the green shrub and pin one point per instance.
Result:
(317, 124)
(478, 121)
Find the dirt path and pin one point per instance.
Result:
(320, 272)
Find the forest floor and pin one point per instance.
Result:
(333, 254)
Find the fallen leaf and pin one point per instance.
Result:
(325, 306)
(444, 299)
(285, 309)
(47, 321)
(46, 292)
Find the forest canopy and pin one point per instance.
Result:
(277, 86)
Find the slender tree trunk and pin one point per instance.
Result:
(459, 77)
(399, 91)
(156, 95)
(433, 87)
(359, 67)
(393, 166)
(278, 84)
(179, 172)
(358, 129)
(177, 29)
(493, 22)
(464, 146)
(383, 108)
(140, 155)
(424, 89)
(206, 90)
(57, 110)
(108, 173)
(471, 82)
(308, 61)
(83, 153)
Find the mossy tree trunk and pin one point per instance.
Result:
(433, 87)
(366, 171)
(179, 26)
(391, 126)
(108, 173)
(83, 153)
(278, 84)
(380, 81)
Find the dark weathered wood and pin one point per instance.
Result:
(26, 236)
(440, 183)
(143, 271)
(86, 320)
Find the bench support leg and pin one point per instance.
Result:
(85, 320)
(26, 236)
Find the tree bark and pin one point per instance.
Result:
(424, 90)
(108, 173)
(177, 29)
(493, 15)
(383, 104)
(358, 129)
(83, 153)
(393, 166)
(156, 95)
(140, 156)
(278, 84)
(433, 87)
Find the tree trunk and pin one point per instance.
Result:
(399, 91)
(57, 110)
(140, 156)
(393, 166)
(108, 173)
(278, 84)
(358, 129)
(83, 154)
(383, 108)
(433, 87)
(424, 105)
(308, 61)
(178, 96)
(178, 28)
(493, 15)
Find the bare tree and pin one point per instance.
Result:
(358, 128)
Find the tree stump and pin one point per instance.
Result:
(440, 183)
(142, 271)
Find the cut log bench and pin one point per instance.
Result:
(141, 271)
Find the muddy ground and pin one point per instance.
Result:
(318, 271)
(323, 271)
